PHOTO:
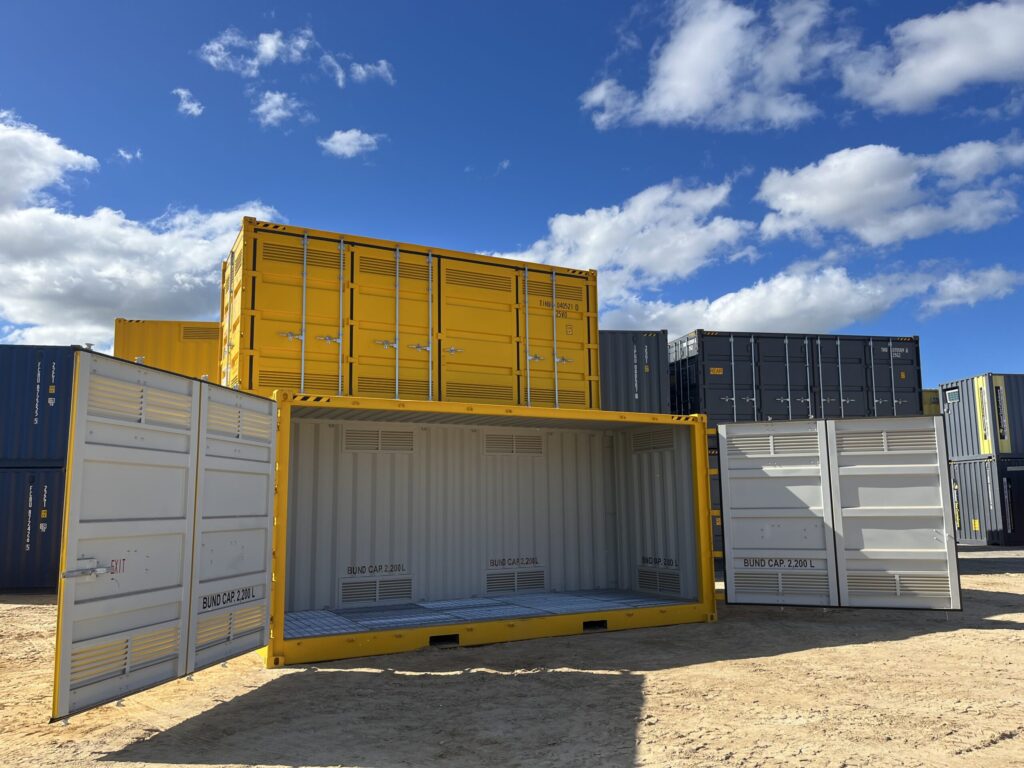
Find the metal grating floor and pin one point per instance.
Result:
(298, 624)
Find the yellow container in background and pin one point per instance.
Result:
(930, 403)
(336, 314)
(180, 346)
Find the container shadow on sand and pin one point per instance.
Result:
(569, 701)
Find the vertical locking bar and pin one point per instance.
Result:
(753, 374)
(807, 372)
(842, 397)
(874, 384)
(225, 369)
(732, 373)
(892, 376)
(302, 337)
(430, 325)
(554, 333)
(789, 389)
(341, 315)
(398, 261)
(526, 321)
(821, 379)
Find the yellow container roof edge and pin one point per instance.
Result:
(254, 224)
(486, 409)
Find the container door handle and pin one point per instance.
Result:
(89, 567)
(534, 358)
(420, 347)
(386, 343)
(330, 339)
(291, 335)
(563, 359)
(454, 350)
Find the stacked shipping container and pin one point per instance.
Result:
(35, 412)
(180, 346)
(634, 371)
(985, 432)
(335, 314)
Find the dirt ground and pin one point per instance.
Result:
(762, 687)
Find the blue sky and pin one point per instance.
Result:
(796, 165)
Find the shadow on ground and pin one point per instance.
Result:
(578, 698)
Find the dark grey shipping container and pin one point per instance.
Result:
(988, 500)
(771, 376)
(35, 405)
(31, 520)
(634, 371)
(984, 416)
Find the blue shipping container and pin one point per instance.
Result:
(35, 405)
(31, 522)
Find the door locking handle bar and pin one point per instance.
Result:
(386, 343)
(291, 335)
(330, 339)
(420, 347)
(454, 350)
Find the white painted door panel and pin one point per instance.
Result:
(165, 506)
(778, 538)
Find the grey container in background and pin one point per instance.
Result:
(634, 371)
(984, 416)
(988, 500)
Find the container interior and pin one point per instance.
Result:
(399, 519)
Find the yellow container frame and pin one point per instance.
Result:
(281, 651)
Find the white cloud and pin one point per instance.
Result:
(187, 104)
(330, 65)
(726, 67)
(969, 288)
(128, 156)
(883, 196)
(31, 161)
(503, 166)
(67, 276)
(350, 143)
(274, 107)
(231, 51)
(363, 72)
(663, 233)
(932, 57)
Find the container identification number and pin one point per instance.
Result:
(777, 562)
(362, 570)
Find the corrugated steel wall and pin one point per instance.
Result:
(455, 509)
(988, 501)
(191, 348)
(634, 371)
(984, 416)
(35, 405)
(31, 519)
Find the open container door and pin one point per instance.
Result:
(133, 576)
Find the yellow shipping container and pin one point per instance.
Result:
(180, 346)
(930, 404)
(329, 313)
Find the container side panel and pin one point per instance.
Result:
(1011, 488)
(1008, 414)
(974, 505)
(31, 521)
(776, 514)
(960, 412)
(35, 405)
(892, 514)
(634, 371)
(191, 348)
(127, 566)
(230, 591)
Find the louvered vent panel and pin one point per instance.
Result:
(199, 333)
(408, 389)
(924, 584)
(316, 256)
(504, 581)
(152, 647)
(529, 444)
(647, 580)
(114, 399)
(742, 446)
(478, 393)
(167, 408)
(223, 419)
(358, 591)
(386, 267)
(252, 618)
(668, 582)
(872, 584)
(911, 441)
(396, 442)
(499, 443)
(291, 381)
(257, 426)
(808, 583)
(569, 292)
(98, 662)
(653, 440)
(362, 440)
(654, 580)
(566, 397)
(394, 589)
(211, 630)
(529, 581)
(860, 442)
(757, 583)
(795, 445)
(487, 281)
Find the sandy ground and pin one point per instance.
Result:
(762, 687)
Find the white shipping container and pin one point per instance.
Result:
(850, 512)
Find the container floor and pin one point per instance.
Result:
(298, 624)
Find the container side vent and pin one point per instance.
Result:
(569, 292)
(897, 584)
(529, 581)
(757, 583)
(515, 581)
(566, 397)
(497, 443)
(379, 386)
(654, 580)
(794, 445)
(466, 392)
(358, 591)
(882, 441)
(199, 333)
(394, 589)
(292, 254)
(743, 446)
(753, 446)
(487, 282)
(290, 380)
(501, 582)
(376, 440)
(809, 583)
(653, 440)
(375, 590)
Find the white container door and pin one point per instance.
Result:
(895, 542)
(777, 514)
(126, 597)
